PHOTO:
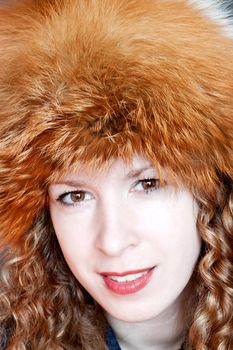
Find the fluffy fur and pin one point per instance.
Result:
(91, 80)
(218, 11)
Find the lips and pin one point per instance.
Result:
(127, 282)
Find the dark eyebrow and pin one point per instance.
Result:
(136, 172)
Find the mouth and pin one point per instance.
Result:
(128, 282)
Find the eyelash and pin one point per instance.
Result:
(141, 181)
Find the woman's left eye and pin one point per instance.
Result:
(148, 185)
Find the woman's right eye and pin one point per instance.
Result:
(74, 197)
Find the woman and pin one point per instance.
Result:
(116, 176)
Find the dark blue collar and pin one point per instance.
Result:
(111, 340)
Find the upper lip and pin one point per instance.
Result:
(131, 272)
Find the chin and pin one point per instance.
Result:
(135, 315)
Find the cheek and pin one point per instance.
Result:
(72, 236)
(180, 242)
(169, 223)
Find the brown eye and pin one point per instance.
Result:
(74, 197)
(77, 196)
(149, 184)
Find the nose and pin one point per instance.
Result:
(116, 231)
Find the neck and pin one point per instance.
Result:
(164, 332)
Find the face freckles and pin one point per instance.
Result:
(130, 239)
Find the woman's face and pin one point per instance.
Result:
(130, 240)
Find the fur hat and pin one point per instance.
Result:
(91, 80)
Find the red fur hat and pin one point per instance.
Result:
(90, 80)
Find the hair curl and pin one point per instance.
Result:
(212, 326)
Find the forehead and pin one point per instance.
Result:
(116, 169)
(129, 167)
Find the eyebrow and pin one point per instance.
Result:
(136, 172)
(132, 174)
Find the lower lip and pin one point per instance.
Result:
(124, 288)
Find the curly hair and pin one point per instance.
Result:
(117, 78)
(212, 326)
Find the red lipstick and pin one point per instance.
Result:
(127, 282)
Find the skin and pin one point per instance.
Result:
(120, 223)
